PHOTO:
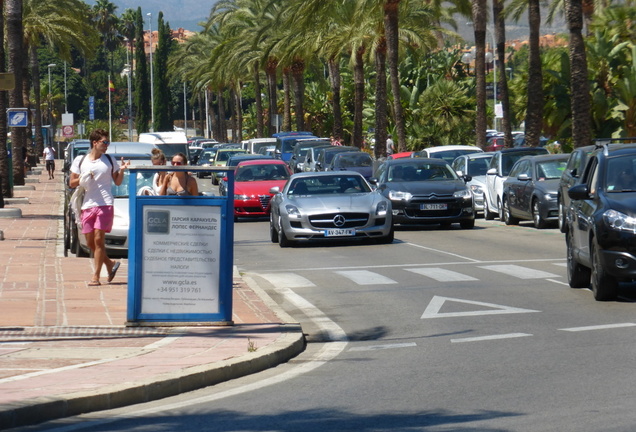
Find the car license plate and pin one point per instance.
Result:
(340, 232)
(442, 206)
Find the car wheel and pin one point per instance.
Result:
(539, 222)
(79, 252)
(604, 286)
(563, 227)
(488, 215)
(467, 224)
(199, 175)
(500, 208)
(67, 234)
(283, 241)
(273, 231)
(215, 182)
(509, 219)
(578, 275)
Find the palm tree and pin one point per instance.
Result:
(391, 8)
(479, 26)
(107, 24)
(5, 189)
(580, 91)
(61, 25)
(502, 84)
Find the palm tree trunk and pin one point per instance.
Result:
(14, 38)
(381, 132)
(391, 28)
(259, 102)
(286, 101)
(334, 80)
(221, 124)
(580, 92)
(270, 70)
(213, 118)
(37, 120)
(238, 114)
(298, 72)
(534, 113)
(502, 85)
(358, 99)
(479, 26)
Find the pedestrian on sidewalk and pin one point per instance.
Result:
(94, 172)
(49, 158)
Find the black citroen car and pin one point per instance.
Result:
(426, 191)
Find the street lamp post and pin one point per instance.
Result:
(152, 82)
(65, 91)
(51, 65)
(128, 72)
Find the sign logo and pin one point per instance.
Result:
(18, 117)
(158, 222)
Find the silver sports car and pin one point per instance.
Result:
(329, 205)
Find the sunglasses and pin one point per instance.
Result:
(105, 142)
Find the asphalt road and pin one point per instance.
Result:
(443, 330)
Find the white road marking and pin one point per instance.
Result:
(598, 327)
(564, 264)
(519, 272)
(442, 252)
(434, 307)
(383, 347)
(492, 337)
(442, 275)
(287, 280)
(365, 277)
(558, 282)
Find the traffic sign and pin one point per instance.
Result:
(18, 117)
(68, 131)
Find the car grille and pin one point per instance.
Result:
(351, 220)
(264, 199)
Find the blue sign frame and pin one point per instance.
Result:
(18, 117)
(137, 203)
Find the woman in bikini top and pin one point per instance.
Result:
(179, 183)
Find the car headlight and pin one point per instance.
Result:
(464, 193)
(241, 197)
(550, 196)
(292, 211)
(619, 221)
(477, 190)
(381, 208)
(400, 195)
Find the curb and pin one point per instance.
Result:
(290, 344)
(8, 213)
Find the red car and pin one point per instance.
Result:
(400, 155)
(253, 180)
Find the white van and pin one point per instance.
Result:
(169, 142)
(255, 144)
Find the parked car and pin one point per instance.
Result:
(268, 150)
(233, 161)
(73, 149)
(530, 191)
(494, 143)
(194, 153)
(357, 161)
(500, 165)
(206, 159)
(285, 142)
(326, 154)
(311, 157)
(449, 152)
(571, 176)
(220, 160)
(474, 165)
(253, 181)
(426, 191)
(401, 155)
(601, 233)
(254, 144)
(138, 153)
(329, 206)
(297, 160)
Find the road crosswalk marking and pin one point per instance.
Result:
(287, 280)
(442, 275)
(519, 271)
(434, 307)
(365, 277)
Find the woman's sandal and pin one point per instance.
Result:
(94, 283)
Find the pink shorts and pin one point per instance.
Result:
(98, 218)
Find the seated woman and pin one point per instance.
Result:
(158, 158)
(179, 183)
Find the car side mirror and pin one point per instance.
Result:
(492, 171)
(460, 173)
(467, 178)
(275, 190)
(523, 177)
(579, 192)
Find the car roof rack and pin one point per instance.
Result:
(605, 142)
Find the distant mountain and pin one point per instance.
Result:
(178, 13)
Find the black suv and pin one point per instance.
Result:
(601, 227)
(570, 177)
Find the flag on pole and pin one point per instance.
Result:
(111, 86)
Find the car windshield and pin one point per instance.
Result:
(354, 160)
(328, 185)
(143, 179)
(450, 155)
(261, 172)
(509, 159)
(478, 167)
(207, 156)
(550, 169)
(225, 155)
(420, 172)
(620, 174)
